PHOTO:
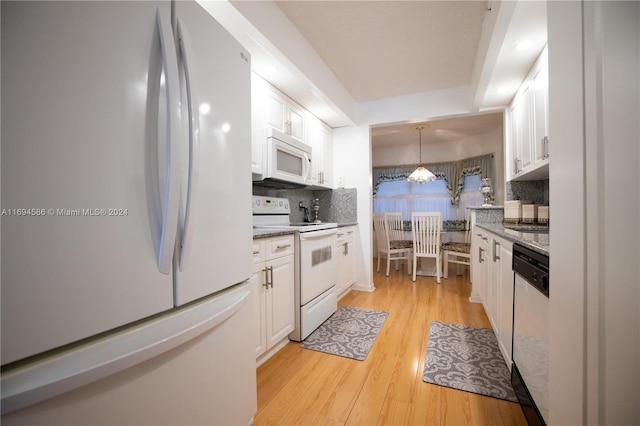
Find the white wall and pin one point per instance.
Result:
(487, 143)
(594, 97)
(352, 152)
(352, 161)
(566, 171)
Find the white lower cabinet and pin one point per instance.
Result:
(273, 293)
(493, 279)
(479, 264)
(501, 313)
(346, 259)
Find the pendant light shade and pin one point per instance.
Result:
(421, 175)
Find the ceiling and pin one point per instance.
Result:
(436, 131)
(386, 49)
(381, 49)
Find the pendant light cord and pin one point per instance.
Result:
(420, 146)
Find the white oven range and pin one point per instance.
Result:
(315, 265)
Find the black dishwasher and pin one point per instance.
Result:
(530, 372)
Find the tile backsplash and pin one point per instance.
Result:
(337, 205)
(535, 190)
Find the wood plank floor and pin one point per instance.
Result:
(304, 387)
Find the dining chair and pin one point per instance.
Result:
(396, 232)
(390, 252)
(426, 228)
(457, 252)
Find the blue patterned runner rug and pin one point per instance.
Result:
(349, 332)
(467, 358)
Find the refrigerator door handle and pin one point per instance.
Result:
(171, 191)
(112, 354)
(194, 144)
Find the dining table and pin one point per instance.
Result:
(427, 266)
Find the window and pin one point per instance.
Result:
(406, 197)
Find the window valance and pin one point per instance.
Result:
(452, 173)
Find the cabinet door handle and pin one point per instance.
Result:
(480, 260)
(271, 276)
(265, 283)
(546, 147)
(495, 250)
(346, 249)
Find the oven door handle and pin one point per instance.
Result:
(317, 234)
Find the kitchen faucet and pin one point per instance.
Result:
(307, 217)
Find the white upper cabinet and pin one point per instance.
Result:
(278, 111)
(528, 138)
(270, 108)
(540, 92)
(320, 137)
(521, 110)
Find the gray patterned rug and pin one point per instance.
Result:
(349, 332)
(467, 358)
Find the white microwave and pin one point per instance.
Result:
(287, 162)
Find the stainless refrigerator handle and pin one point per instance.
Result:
(171, 191)
(194, 145)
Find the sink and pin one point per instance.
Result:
(537, 229)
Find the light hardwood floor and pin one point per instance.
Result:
(303, 387)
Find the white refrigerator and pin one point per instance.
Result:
(126, 216)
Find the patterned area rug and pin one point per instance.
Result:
(349, 332)
(467, 358)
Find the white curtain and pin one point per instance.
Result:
(395, 197)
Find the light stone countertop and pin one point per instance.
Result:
(266, 233)
(538, 242)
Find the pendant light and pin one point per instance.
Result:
(421, 175)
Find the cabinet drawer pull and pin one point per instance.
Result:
(256, 252)
(283, 246)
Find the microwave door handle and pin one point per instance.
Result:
(307, 165)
